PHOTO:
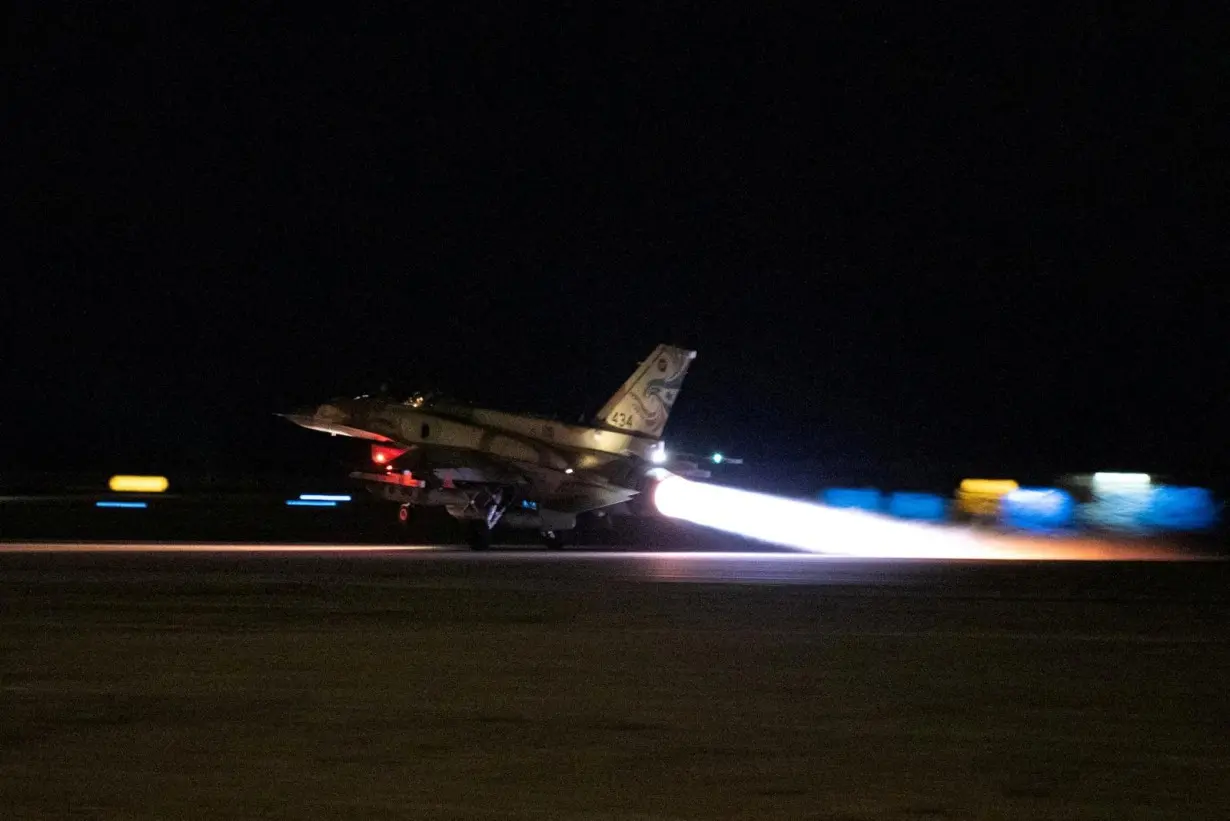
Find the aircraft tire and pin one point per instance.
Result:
(551, 539)
(403, 515)
(478, 535)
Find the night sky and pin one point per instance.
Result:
(921, 235)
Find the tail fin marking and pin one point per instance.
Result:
(643, 403)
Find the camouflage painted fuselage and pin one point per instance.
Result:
(561, 468)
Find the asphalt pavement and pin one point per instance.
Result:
(316, 681)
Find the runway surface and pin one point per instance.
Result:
(314, 681)
(426, 563)
(980, 546)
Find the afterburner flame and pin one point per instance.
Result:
(846, 532)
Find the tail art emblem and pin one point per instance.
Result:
(643, 403)
(654, 402)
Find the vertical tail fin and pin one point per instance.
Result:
(643, 403)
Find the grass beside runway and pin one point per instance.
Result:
(287, 689)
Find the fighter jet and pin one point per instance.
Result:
(489, 467)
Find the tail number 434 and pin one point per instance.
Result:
(623, 420)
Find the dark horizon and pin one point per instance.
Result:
(991, 240)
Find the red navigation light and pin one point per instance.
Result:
(385, 454)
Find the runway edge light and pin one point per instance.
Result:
(925, 507)
(1109, 480)
(981, 497)
(989, 487)
(861, 498)
(121, 483)
(1182, 509)
(1038, 509)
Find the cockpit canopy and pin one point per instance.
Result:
(420, 399)
(416, 399)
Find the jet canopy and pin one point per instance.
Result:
(430, 398)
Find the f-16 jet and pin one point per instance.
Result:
(489, 467)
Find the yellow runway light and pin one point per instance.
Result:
(980, 497)
(993, 487)
(138, 484)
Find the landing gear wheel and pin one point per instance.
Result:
(478, 535)
(551, 539)
(403, 514)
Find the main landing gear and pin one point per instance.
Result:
(483, 509)
(478, 534)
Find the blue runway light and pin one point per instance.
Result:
(324, 497)
(1181, 508)
(862, 498)
(1037, 508)
(310, 503)
(923, 507)
(121, 504)
(1121, 509)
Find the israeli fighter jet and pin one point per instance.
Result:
(489, 467)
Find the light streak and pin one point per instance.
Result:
(138, 484)
(1037, 508)
(988, 487)
(204, 547)
(819, 529)
(1122, 480)
(981, 497)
